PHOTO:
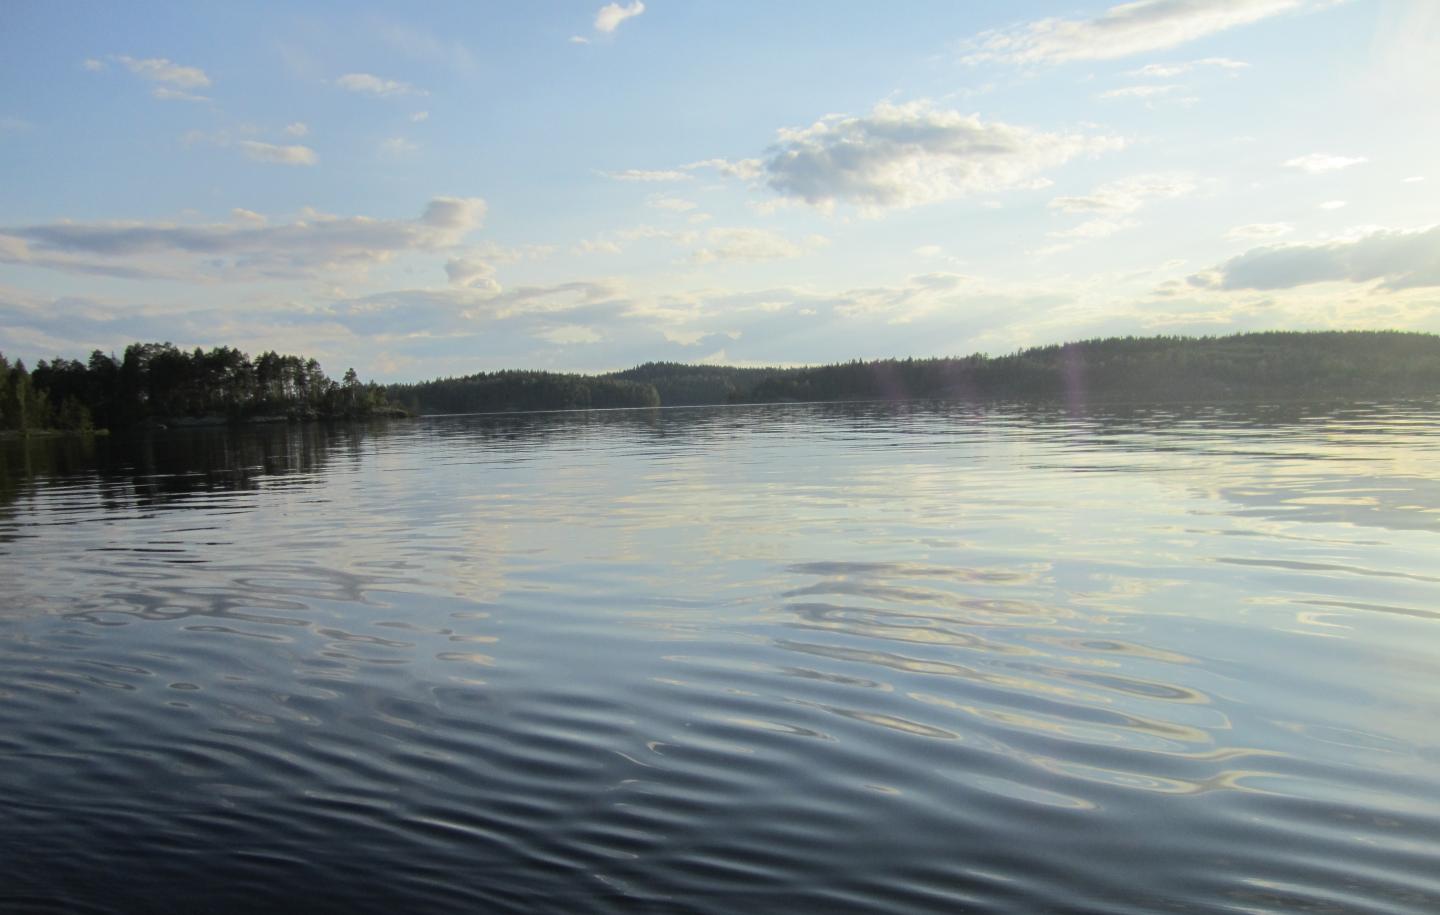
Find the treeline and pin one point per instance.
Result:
(494, 392)
(159, 383)
(1256, 366)
(156, 382)
(682, 385)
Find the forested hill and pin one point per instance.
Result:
(1259, 366)
(493, 392)
(156, 383)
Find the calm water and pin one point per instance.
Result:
(775, 659)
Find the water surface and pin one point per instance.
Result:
(844, 657)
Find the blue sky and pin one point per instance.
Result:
(457, 187)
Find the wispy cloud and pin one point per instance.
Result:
(370, 84)
(1318, 163)
(249, 248)
(1110, 205)
(165, 93)
(747, 244)
(279, 155)
(1138, 27)
(1141, 92)
(1259, 231)
(649, 175)
(160, 70)
(1166, 71)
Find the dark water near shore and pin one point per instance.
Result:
(838, 658)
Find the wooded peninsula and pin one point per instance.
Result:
(159, 384)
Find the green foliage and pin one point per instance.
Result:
(158, 382)
(521, 390)
(1256, 366)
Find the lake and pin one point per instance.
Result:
(861, 657)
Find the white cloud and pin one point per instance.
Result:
(744, 169)
(1414, 179)
(1399, 259)
(247, 249)
(419, 117)
(1318, 163)
(1258, 231)
(610, 16)
(166, 94)
(93, 65)
(569, 334)
(1146, 91)
(398, 146)
(369, 84)
(579, 39)
(1334, 205)
(912, 154)
(1137, 27)
(1165, 71)
(597, 246)
(673, 204)
(641, 174)
(297, 129)
(751, 245)
(279, 155)
(471, 273)
(160, 70)
(1127, 194)
(1100, 227)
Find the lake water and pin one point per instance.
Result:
(791, 658)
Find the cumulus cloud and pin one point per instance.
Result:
(369, 84)
(1398, 259)
(1258, 231)
(1318, 163)
(160, 70)
(247, 249)
(610, 16)
(471, 273)
(1138, 27)
(912, 154)
(297, 129)
(279, 155)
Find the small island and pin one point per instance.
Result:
(158, 385)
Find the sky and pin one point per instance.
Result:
(437, 189)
